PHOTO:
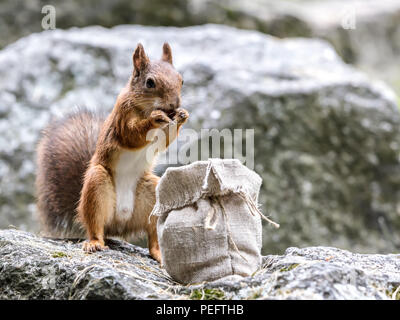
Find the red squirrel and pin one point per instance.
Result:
(95, 175)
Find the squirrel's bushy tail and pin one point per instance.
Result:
(63, 154)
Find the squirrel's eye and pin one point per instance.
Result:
(150, 83)
(182, 82)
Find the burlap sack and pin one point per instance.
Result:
(209, 226)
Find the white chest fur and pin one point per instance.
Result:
(129, 169)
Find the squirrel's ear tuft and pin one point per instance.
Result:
(167, 53)
(140, 59)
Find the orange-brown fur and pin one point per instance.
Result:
(138, 109)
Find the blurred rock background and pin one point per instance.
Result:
(319, 82)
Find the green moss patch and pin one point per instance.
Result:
(207, 294)
(394, 293)
(288, 268)
(59, 254)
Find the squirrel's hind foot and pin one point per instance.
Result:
(91, 246)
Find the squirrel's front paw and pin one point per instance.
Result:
(181, 115)
(159, 118)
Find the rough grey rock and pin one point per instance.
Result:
(351, 26)
(38, 268)
(326, 136)
(372, 34)
(365, 33)
(20, 18)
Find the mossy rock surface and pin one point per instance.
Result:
(126, 271)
